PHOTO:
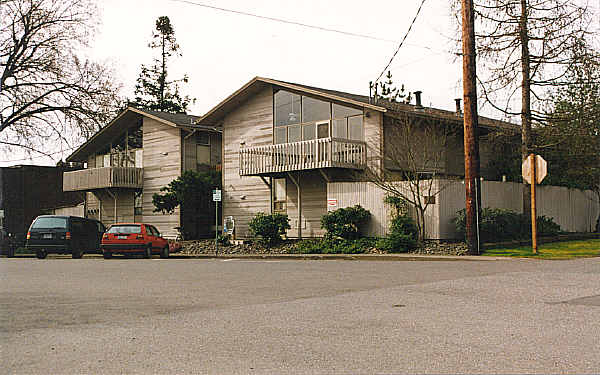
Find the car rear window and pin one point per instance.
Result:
(125, 229)
(49, 223)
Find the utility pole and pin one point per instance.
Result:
(471, 138)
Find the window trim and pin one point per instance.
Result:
(302, 124)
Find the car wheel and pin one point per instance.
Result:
(164, 253)
(41, 253)
(107, 254)
(76, 254)
(148, 252)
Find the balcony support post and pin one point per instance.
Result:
(265, 181)
(114, 197)
(325, 176)
(296, 182)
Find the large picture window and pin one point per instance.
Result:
(302, 118)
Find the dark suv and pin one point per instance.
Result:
(64, 235)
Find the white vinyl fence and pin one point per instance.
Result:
(574, 210)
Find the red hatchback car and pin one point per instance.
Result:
(134, 238)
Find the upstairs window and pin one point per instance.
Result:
(302, 118)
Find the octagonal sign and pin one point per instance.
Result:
(541, 169)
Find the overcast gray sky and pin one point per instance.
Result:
(221, 50)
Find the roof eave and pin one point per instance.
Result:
(211, 114)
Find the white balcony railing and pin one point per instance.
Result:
(100, 178)
(313, 154)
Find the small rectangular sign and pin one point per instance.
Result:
(331, 202)
(216, 195)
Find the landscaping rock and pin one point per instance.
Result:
(434, 247)
(207, 247)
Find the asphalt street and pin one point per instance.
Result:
(167, 316)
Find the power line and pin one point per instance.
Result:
(40, 156)
(402, 42)
(283, 21)
(301, 24)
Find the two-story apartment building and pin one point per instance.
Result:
(285, 143)
(133, 157)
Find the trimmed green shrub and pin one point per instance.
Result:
(345, 222)
(496, 224)
(402, 237)
(269, 228)
(334, 246)
(546, 226)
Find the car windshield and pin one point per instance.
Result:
(125, 229)
(50, 223)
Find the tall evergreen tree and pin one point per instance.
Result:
(153, 91)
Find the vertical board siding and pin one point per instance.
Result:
(249, 125)
(215, 149)
(77, 210)
(314, 203)
(162, 164)
(189, 146)
(574, 210)
(366, 194)
(105, 202)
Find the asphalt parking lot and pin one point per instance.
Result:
(65, 316)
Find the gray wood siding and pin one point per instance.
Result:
(160, 170)
(251, 123)
(189, 147)
(215, 149)
(574, 210)
(91, 162)
(105, 203)
(373, 133)
(313, 189)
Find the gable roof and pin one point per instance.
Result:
(132, 117)
(258, 83)
(172, 119)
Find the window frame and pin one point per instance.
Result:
(283, 131)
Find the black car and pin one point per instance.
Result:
(64, 235)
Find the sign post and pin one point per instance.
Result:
(216, 198)
(534, 169)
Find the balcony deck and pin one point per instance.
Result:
(304, 155)
(101, 178)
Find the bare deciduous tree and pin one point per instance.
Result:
(50, 95)
(415, 159)
(527, 48)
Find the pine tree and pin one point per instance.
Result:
(153, 91)
(390, 92)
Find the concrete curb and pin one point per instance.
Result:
(368, 257)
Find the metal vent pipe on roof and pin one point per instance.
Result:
(458, 106)
(418, 98)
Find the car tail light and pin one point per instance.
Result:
(105, 236)
(28, 235)
(68, 235)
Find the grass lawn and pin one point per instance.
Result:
(553, 250)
